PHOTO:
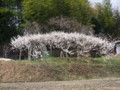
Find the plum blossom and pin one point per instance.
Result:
(36, 44)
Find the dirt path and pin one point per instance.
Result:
(94, 84)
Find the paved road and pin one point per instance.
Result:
(94, 84)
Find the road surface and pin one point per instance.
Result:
(94, 84)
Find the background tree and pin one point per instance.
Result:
(38, 10)
(81, 10)
(41, 11)
(105, 19)
(117, 24)
(9, 23)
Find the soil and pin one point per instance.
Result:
(116, 56)
(93, 84)
(6, 59)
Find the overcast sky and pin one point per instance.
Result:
(115, 3)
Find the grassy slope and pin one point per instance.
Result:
(54, 69)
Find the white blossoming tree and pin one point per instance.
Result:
(69, 43)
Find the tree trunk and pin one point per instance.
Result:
(5, 51)
(20, 54)
(50, 50)
(29, 54)
(61, 54)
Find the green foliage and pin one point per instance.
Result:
(81, 10)
(42, 10)
(38, 10)
(117, 23)
(10, 20)
(61, 7)
(105, 17)
(83, 61)
(7, 25)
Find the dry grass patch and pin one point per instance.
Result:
(57, 69)
(21, 72)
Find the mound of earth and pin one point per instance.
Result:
(6, 59)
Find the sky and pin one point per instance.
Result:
(115, 3)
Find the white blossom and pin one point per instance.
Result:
(67, 42)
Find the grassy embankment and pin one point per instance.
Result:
(58, 69)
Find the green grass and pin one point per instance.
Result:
(62, 61)
(115, 62)
(66, 61)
